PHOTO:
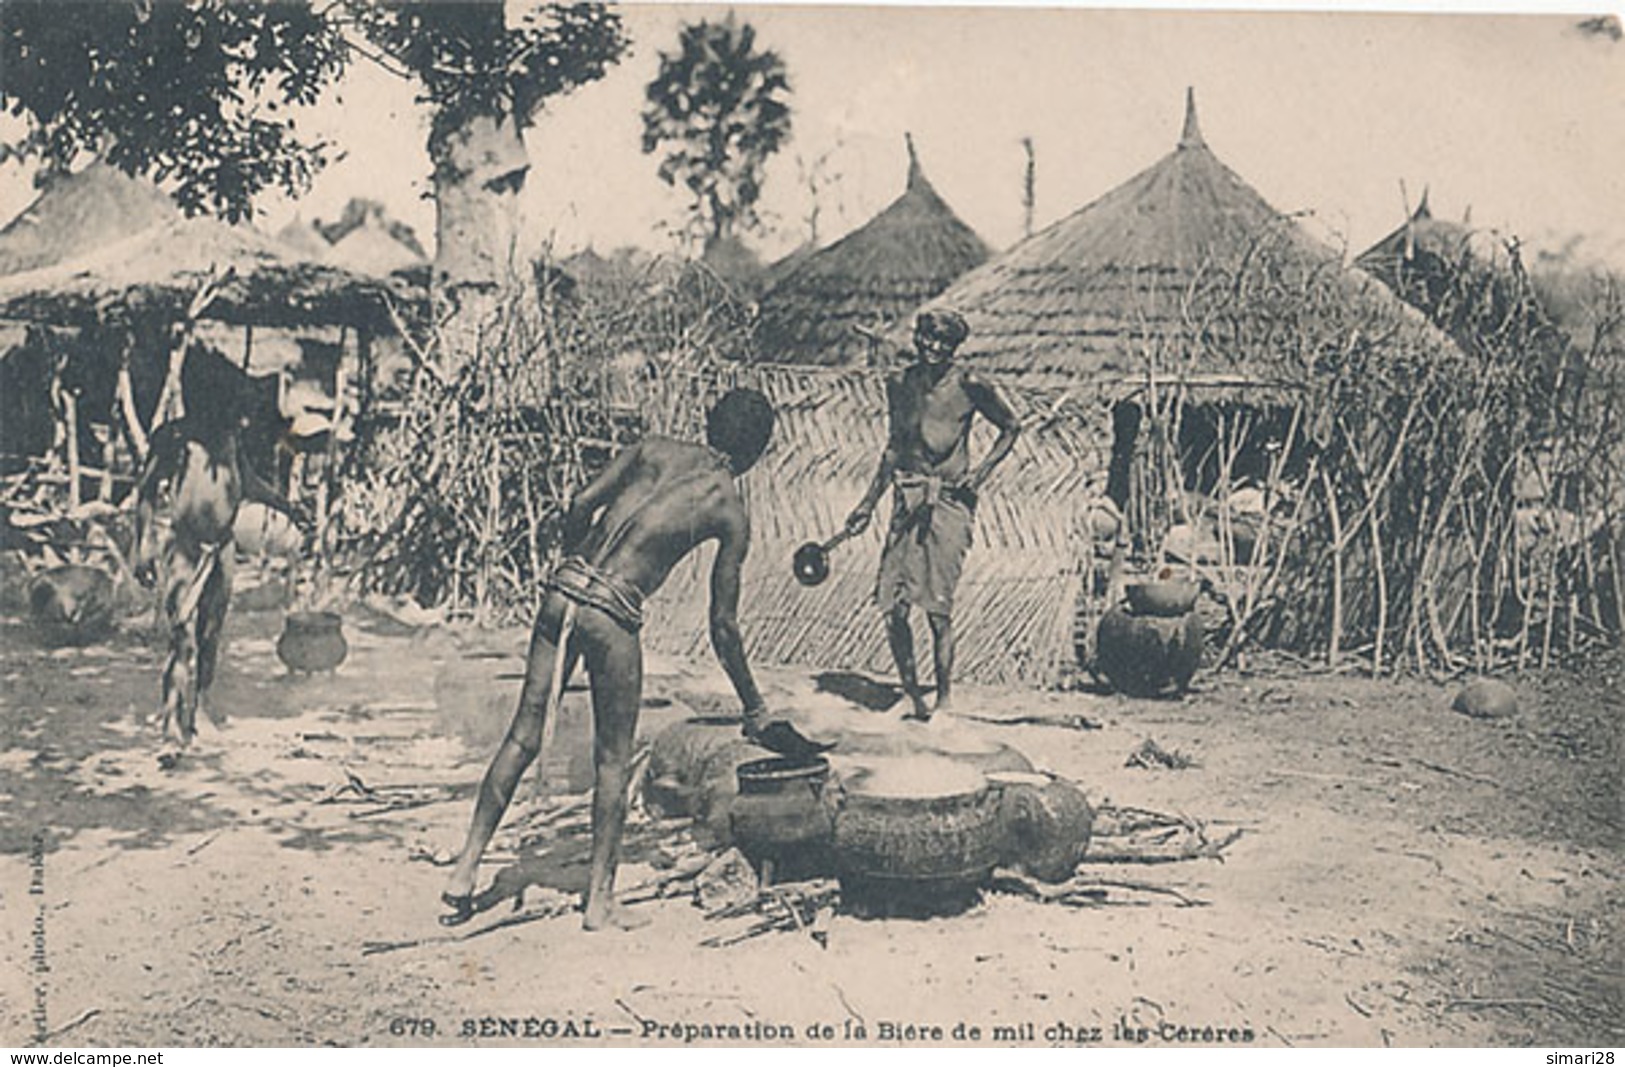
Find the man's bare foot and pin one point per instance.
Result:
(462, 908)
(614, 917)
(944, 705)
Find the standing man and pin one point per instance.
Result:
(931, 406)
(653, 505)
(198, 462)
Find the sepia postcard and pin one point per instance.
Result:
(772, 526)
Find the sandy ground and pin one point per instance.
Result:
(1406, 875)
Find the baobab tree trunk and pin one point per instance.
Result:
(479, 171)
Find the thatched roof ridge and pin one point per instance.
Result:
(872, 277)
(1092, 293)
(159, 269)
(77, 212)
(304, 238)
(373, 250)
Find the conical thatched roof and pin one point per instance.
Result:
(304, 238)
(1147, 268)
(872, 277)
(79, 212)
(1425, 240)
(161, 268)
(372, 249)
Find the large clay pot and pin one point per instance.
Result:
(72, 605)
(1146, 654)
(915, 835)
(1044, 824)
(312, 641)
(784, 816)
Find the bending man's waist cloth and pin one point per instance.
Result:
(594, 587)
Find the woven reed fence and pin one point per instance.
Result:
(1016, 603)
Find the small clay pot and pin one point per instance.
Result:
(1487, 698)
(784, 815)
(312, 641)
(72, 604)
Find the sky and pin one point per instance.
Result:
(1343, 117)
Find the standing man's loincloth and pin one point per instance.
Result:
(594, 587)
(925, 547)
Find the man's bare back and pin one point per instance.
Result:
(668, 498)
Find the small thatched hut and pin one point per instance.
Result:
(872, 278)
(158, 270)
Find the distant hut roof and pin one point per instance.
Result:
(78, 212)
(374, 250)
(1092, 293)
(1423, 234)
(304, 238)
(735, 264)
(871, 277)
(159, 269)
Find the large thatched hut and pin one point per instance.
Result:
(1145, 278)
(79, 212)
(871, 278)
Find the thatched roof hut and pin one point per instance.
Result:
(157, 272)
(1432, 263)
(872, 277)
(304, 238)
(78, 213)
(1145, 271)
(373, 250)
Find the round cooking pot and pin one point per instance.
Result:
(915, 834)
(72, 604)
(1145, 654)
(1044, 824)
(312, 641)
(784, 815)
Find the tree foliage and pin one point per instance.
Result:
(719, 106)
(470, 64)
(204, 93)
(201, 93)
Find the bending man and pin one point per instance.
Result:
(652, 506)
(930, 408)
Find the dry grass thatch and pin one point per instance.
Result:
(160, 269)
(872, 277)
(372, 251)
(77, 213)
(1099, 290)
